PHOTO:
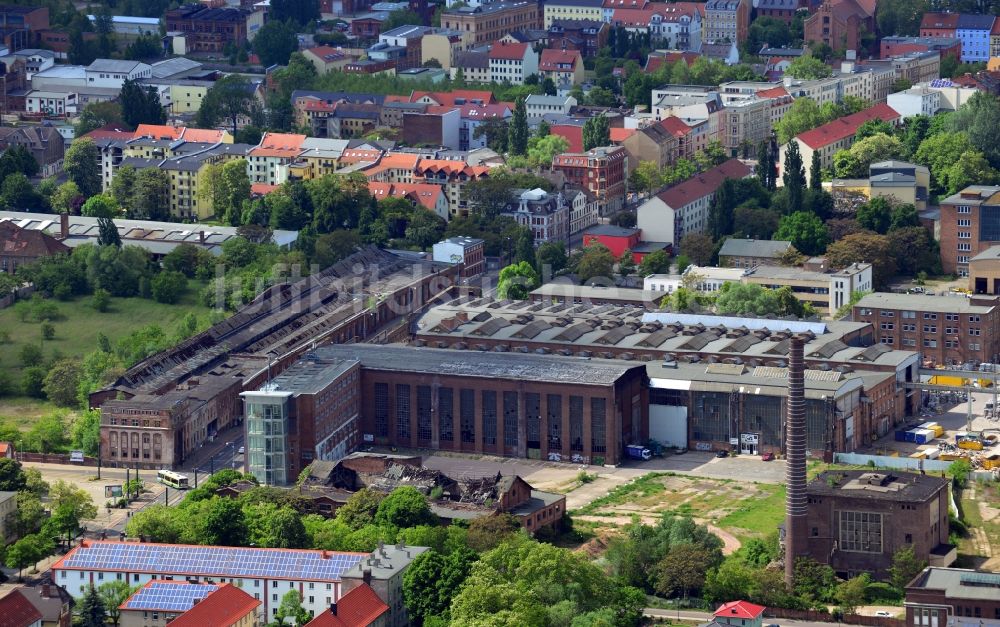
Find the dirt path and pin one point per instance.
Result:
(730, 543)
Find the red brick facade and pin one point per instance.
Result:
(599, 171)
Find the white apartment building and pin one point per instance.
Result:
(916, 101)
(512, 63)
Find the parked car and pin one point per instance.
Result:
(680, 450)
(721, 454)
(883, 614)
(243, 450)
(767, 456)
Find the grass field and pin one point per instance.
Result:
(76, 335)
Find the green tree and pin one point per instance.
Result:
(91, 610)
(904, 215)
(646, 177)
(27, 552)
(70, 505)
(542, 150)
(360, 508)
(626, 263)
(596, 132)
(98, 114)
(698, 247)
(850, 594)
(980, 118)
(656, 262)
(113, 594)
(100, 206)
(959, 471)
(808, 67)
(551, 257)
(122, 188)
(815, 172)
(873, 127)
(82, 166)
(516, 281)
(291, 608)
(66, 198)
(401, 17)
(488, 532)
(108, 233)
(404, 507)
(168, 287)
(972, 168)
(332, 247)
(224, 523)
(517, 140)
(229, 98)
(805, 231)
(151, 194)
(596, 262)
(682, 570)
(271, 526)
(17, 193)
(87, 432)
(140, 104)
(12, 477)
(864, 248)
(299, 11)
(275, 42)
(794, 177)
(62, 383)
(803, 115)
(855, 161)
(905, 567)
(875, 215)
(939, 152)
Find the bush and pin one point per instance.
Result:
(33, 382)
(48, 331)
(31, 355)
(101, 300)
(168, 286)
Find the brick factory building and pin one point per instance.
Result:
(165, 407)
(970, 223)
(859, 519)
(956, 597)
(490, 22)
(508, 404)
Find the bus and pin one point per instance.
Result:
(173, 479)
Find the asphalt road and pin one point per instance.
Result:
(697, 617)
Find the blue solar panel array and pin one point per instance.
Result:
(206, 561)
(169, 597)
(941, 82)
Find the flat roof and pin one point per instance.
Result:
(990, 254)
(490, 365)
(960, 583)
(209, 561)
(310, 374)
(946, 303)
(880, 485)
(759, 380)
(735, 247)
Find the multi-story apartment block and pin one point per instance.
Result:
(838, 134)
(783, 10)
(208, 29)
(472, 117)
(512, 63)
(410, 39)
(894, 46)
(970, 223)
(582, 210)
(275, 150)
(441, 45)
(181, 604)
(745, 123)
(944, 25)
(490, 22)
(974, 32)
(727, 20)
(587, 36)
(840, 24)
(545, 214)
(945, 329)
(683, 208)
(572, 10)
(564, 67)
(453, 177)
(601, 172)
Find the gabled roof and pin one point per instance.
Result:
(740, 609)
(551, 59)
(939, 21)
(29, 243)
(113, 65)
(846, 126)
(426, 194)
(224, 607)
(278, 145)
(972, 21)
(17, 611)
(619, 134)
(625, 4)
(510, 52)
(358, 608)
(675, 126)
(774, 92)
(633, 17)
(703, 184)
(453, 97)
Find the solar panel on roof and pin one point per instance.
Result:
(171, 597)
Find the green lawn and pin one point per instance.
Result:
(757, 516)
(76, 335)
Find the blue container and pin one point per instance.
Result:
(911, 435)
(901, 435)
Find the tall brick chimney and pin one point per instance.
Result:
(63, 226)
(796, 523)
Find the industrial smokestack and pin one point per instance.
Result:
(795, 453)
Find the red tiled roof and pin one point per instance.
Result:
(222, 608)
(774, 92)
(109, 131)
(485, 111)
(675, 126)
(262, 189)
(693, 7)
(28, 243)
(449, 97)
(511, 52)
(846, 126)
(551, 59)
(653, 63)
(633, 17)
(703, 184)
(278, 145)
(740, 609)
(358, 608)
(619, 134)
(17, 611)
(939, 21)
(572, 134)
(427, 194)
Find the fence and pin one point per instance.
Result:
(885, 461)
(825, 617)
(16, 295)
(53, 458)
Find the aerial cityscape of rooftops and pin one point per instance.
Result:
(499, 313)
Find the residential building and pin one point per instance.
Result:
(436, 126)
(211, 29)
(327, 58)
(52, 602)
(467, 251)
(537, 106)
(564, 67)
(490, 22)
(582, 210)
(952, 597)
(545, 214)
(683, 208)
(840, 24)
(442, 46)
(409, 40)
(974, 33)
(945, 329)
(512, 63)
(44, 143)
(265, 574)
(968, 226)
(474, 65)
(8, 514)
(473, 116)
(895, 45)
(726, 52)
(428, 196)
(838, 134)
(944, 25)
(587, 36)
(602, 172)
(360, 607)
(453, 177)
(180, 603)
(369, 25)
(745, 124)
(749, 253)
(264, 161)
(678, 25)
(916, 101)
(616, 239)
(20, 246)
(112, 73)
(783, 10)
(572, 10)
(658, 143)
(916, 67)
(727, 20)
(17, 611)
(859, 519)
(383, 573)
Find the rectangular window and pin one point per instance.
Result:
(973, 318)
(930, 343)
(861, 532)
(576, 423)
(510, 419)
(382, 410)
(887, 326)
(553, 411)
(598, 425)
(930, 316)
(965, 222)
(964, 247)
(489, 417)
(930, 328)
(402, 412)
(886, 339)
(446, 414)
(424, 413)
(467, 414)
(533, 418)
